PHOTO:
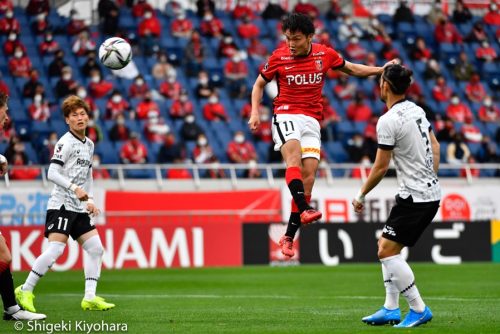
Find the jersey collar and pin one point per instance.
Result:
(82, 140)
(398, 101)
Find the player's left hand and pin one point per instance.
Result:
(93, 210)
(358, 206)
(254, 122)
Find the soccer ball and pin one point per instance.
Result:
(115, 53)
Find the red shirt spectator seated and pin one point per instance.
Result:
(9, 24)
(138, 88)
(344, 90)
(247, 29)
(441, 92)
(355, 51)
(306, 8)
(214, 111)
(99, 87)
(12, 43)
(486, 52)
(358, 110)
(458, 111)
(48, 45)
(155, 129)
(147, 107)
(493, 15)
(242, 9)
(181, 107)
(141, 7)
(489, 112)
(116, 106)
(171, 88)
(240, 150)
(20, 64)
(149, 26)
(133, 151)
(39, 110)
(475, 90)
(446, 32)
(211, 26)
(471, 133)
(181, 26)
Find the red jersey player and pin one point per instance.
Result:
(300, 68)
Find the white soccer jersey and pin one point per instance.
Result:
(405, 130)
(75, 156)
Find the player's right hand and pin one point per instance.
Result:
(358, 206)
(81, 194)
(254, 122)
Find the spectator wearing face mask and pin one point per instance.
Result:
(9, 23)
(116, 106)
(247, 29)
(162, 68)
(119, 131)
(194, 54)
(181, 26)
(171, 88)
(66, 85)
(133, 151)
(347, 29)
(40, 25)
(242, 9)
(92, 64)
(486, 53)
(99, 173)
(204, 154)
(39, 110)
(150, 25)
(264, 132)
(470, 132)
(344, 89)
(205, 87)
(458, 111)
(446, 32)
(93, 131)
(18, 159)
(20, 65)
(12, 43)
(214, 110)
(432, 69)
(211, 26)
(190, 130)
(240, 150)
(48, 45)
(492, 17)
(235, 73)
(227, 47)
(457, 151)
(358, 110)
(140, 8)
(138, 89)
(155, 128)
(441, 92)
(99, 87)
(83, 44)
(181, 107)
(147, 107)
(489, 112)
(33, 85)
(46, 151)
(356, 148)
(81, 92)
(355, 51)
(474, 90)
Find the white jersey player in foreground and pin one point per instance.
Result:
(405, 135)
(69, 209)
(12, 311)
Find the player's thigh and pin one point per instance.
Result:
(287, 134)
(86, 236)
(58, 224)
(5, 255)
(81, 226)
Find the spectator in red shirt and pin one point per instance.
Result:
(181, 26)
(235, 73)
(446, 32)
(354, 50)
(330, 117)
(358, 111)
(414, 91)
(83, 44)
(242, 9)
(204, 154)
(257, 50)
(181, 107)
(119, 131)
(3, 86)
(75, 25)
(458, 111)
(133, 151)
(493, 15)
(477, 34)
(211, 26)
(388, 51)
(6, 6)
(264, 132)
(471, 132)
(33, 86)
(11, 43)
(304, 7)
(40, 25)
(486, 52)
(227, 47)
(344, 89)
(324, 38)
(475, 90)
(214, 111)
(489, 112)
(140, 8)
(20, 64)
(420, 50)
(98, 87)
(147, 107)
(39, 110)
(81, 92)
(247, 29)
(66, 85)
(21, 159)
(116, 106)
(150, 25)
(93, 131)
(155, 128)
(441, 92)
(240, 150)
(246, 110)
(9, 23)
(138, 88)
(48, 45)
(36, 7)
(171, 88)
(98, 173)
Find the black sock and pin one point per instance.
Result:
(297, 190)
(7, 289)
(293, 224)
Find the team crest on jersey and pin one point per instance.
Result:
(59, 148)
(319, 64)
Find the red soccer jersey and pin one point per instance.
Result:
(301, 79)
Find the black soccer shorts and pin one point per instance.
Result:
(71, 223)
(408, 220)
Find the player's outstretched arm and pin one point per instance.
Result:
(257, 92)
(360, 70)
(435, 151)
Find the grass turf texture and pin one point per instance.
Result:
(305, 299)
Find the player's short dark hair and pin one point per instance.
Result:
(297, 22)
(73, 102)
(398, 77)
(3, 99)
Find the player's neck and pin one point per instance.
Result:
(78, 134)
(393, 99)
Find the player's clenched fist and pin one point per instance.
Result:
(254, 121)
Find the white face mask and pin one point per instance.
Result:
(488, 103)
(18, 54)
(139, 82)
(236, 59)
(208, 17)
(183, 98)
(53, 142)
(190, 119)
(348, 22)
(228, 40)
(96, 163)
(37, 98)
(239, 139)
(202, 141)
(203, 81)
(154, 120)
(116, 99)
(171, 79)
(95, 79)
(213, 100)
(148, 15)
(91, 123)
(12, 37)
(120, 121)
(181, 16)
(9, 15)
(66, 76)
(455, 101)
(82, 93)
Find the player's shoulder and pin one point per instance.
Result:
(280, 53)
(322, 50)
(89, 142)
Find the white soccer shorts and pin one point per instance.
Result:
(305, 129)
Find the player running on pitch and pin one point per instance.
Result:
(405, 135)
(300, 68)
(69, 209)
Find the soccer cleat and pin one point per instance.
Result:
(96, 304)
(383, 317)
(309, 216)
(25, 299)
(23, 315)
(414, 319)
(286, 244)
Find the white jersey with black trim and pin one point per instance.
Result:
(405, 130)
(75, 157)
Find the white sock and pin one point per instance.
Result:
(92, 265)
(391, 291)
(403, 278)
(43, 263)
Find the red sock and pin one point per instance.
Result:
(293, 176)
(3, 266)
(308, 199)
(293, 173)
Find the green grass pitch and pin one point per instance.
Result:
(303, 299)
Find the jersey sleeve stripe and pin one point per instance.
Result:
(339, 66)
(55, 161)
(264, 77)
(386, 147)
